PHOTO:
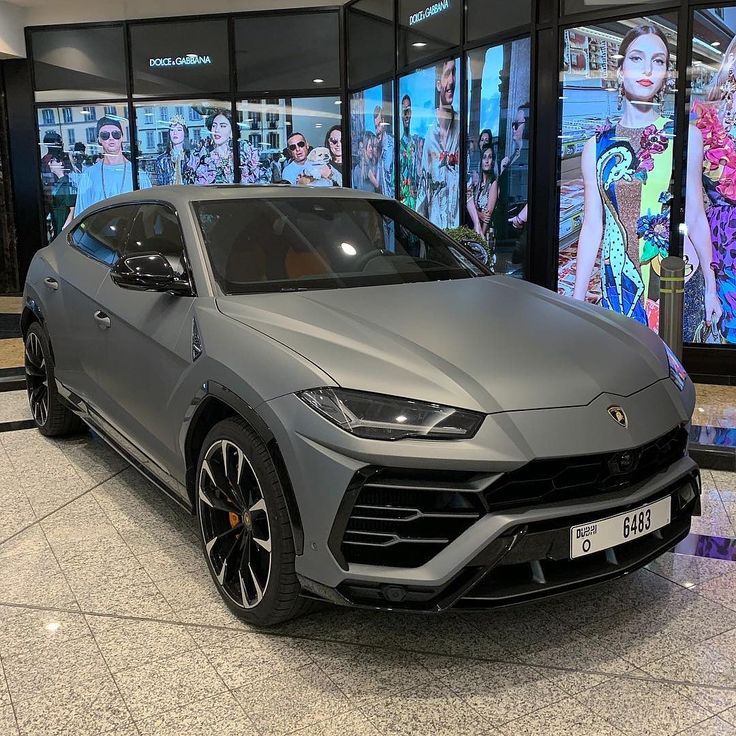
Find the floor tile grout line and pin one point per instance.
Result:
(64, 505)
(10, 696)
(645, 677)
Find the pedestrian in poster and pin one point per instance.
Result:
(439, 176)
(333, 142)
(172, 166)
(409, 157)
(482, 198)
(212, 162)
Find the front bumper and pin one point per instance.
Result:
(508, 552)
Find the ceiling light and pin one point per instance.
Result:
(419, 44)
(348, 249)
(318, 125)
(716, 43)
(318, 80)
(337, 102)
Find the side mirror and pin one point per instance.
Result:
(149, 272)
(480, 253)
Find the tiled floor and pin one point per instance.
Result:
(11, 345)
(109, 624)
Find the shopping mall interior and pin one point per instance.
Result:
(427, 559)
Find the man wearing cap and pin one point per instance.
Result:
(113, 174)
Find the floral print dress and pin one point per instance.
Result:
(719, 183)
(633, 171)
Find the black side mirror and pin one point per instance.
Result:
(149, 272)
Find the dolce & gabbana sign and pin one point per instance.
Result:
(188, 60)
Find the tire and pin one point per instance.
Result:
(244, 525)
(52, 417)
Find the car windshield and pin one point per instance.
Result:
(301, 243)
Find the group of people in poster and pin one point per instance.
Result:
(627, 168)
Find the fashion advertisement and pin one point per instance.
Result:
(616, 163)
(710, 206)
(294, 140)
(85, 158)
(373, 146)
(429, 145)
(497, 153)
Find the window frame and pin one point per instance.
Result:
(72, 244)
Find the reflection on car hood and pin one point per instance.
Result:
(490, 344)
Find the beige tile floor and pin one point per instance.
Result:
(109, 625)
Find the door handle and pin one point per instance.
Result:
(103, 321)
(51, 283)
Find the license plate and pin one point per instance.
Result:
(595, 536)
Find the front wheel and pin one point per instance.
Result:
(245, 528)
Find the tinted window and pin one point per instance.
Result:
(427, 27)
(156, 230)
(287, 244)
(371, 41)
(173, 58)
(288, 52)
(487, 18)
(79, 63)
(103, 236)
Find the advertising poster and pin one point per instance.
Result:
(616, 163)
(85, 158)
(710, 207)
(429, 144)
(294, 140)
(372, 139)
(497, 155)
(184, 143)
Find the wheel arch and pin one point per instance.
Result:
(214, 403)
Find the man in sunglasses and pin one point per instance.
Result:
(113, 174)
(298, 170)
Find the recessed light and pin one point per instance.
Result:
(716, 43)
(338, 102)
(348, 249)
(318, 80)
(419, 44)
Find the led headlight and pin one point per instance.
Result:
(677, 373)
(378, 417)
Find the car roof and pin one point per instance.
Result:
(181, 195)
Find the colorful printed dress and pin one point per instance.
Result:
(633, 171)
(719, 183)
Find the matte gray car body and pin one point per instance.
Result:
(542, 368)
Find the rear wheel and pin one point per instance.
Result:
(246, 534)
(52, 417)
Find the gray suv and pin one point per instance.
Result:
(355, 408)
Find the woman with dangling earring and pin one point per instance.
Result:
(627, 167)
(712, 169)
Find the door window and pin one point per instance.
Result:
(102, 236)
(156, 230)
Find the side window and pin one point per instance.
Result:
(102, 236)
(156, 230)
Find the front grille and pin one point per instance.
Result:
(404, 518)
(585, 476)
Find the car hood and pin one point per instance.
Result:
(490, 344)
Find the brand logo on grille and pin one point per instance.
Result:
(618, 415)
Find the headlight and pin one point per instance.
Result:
(677, 373)
(378, 417)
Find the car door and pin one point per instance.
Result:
(76, 270)
(148, 343)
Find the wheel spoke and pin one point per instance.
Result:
(34, 370)
(265, 543)
(222, 503)
(259, 505)
(259, 592)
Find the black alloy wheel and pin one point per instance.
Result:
(51, 415)
(37, 379)
(235, 525)
(246, 533)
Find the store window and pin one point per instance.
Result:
(616, 146)
(288, 52)
(429, 145)
(427, 28)
(305, 153)
(186, 57)
(371, 41)
(79, 63)
(485, 18)
(710, 213)
(372, 139)
(77, 175)
(191, 148)
(497, 154)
